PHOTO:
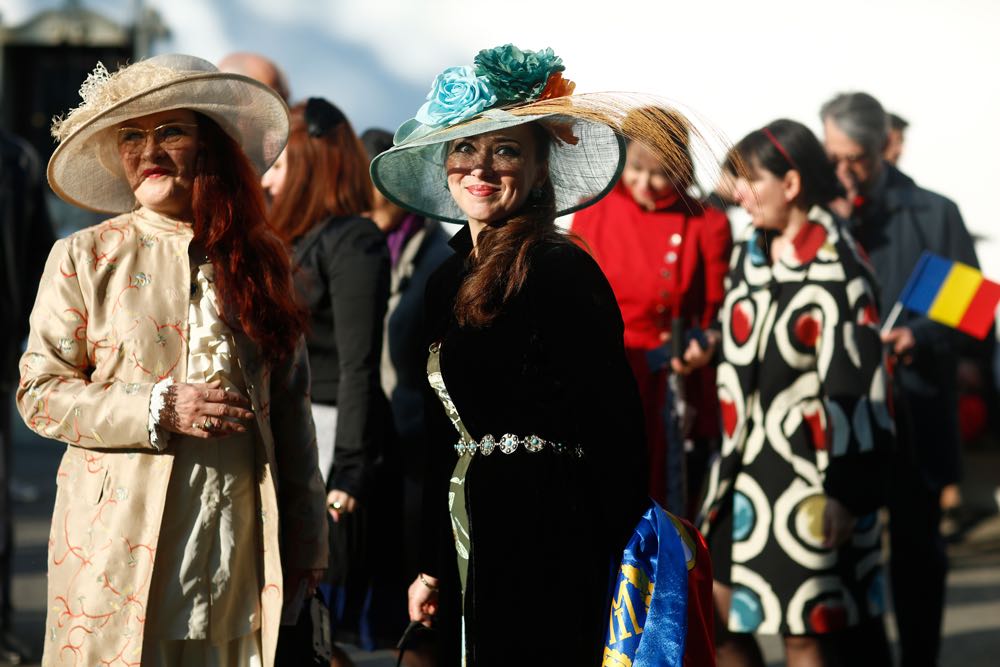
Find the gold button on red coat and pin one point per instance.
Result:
(680, 249)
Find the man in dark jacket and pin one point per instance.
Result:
(895, 221)
(25, 240)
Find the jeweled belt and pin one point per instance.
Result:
(509, 443)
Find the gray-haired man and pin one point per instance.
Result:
(895, 221)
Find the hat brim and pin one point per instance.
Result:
(84, 169)
(412, 174)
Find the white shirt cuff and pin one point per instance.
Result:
(158, 436)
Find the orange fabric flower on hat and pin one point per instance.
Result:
(557, 86)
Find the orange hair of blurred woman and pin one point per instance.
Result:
(327, 176)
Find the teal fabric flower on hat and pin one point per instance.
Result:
(456, 94)
(516, 75)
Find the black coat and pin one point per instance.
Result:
(404, 372)
(342, 277)
(899, 222)
(404, 338)
(547, 528)
(25, 240)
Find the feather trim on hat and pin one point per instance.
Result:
(101, 90)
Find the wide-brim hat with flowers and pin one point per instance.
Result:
(504, 88)
(85, 169)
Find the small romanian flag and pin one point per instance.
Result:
(953, 294)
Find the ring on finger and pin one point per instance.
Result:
(208, 424)
(336, 505)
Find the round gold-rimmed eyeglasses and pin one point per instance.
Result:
(168, 135)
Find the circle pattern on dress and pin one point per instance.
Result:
(744, 517)
(751, 519)
(821, 605)
(754, 606)
(746, 612)
(798, 526)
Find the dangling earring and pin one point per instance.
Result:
(536, 194)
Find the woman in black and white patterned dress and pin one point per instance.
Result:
(791, 509)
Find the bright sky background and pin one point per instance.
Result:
(739, 63)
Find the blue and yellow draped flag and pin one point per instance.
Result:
(649, 621)
(952, 293)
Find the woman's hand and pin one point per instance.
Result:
(696, 356)
(838, 524)
(300, 585)
(340, 502)
(204, 410)
(312, 579)
(422, 599)
(902, 341)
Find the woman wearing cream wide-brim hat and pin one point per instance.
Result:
(166, 351)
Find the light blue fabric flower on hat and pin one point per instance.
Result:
(456, 94)
(516, 75)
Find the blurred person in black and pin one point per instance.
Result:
(25, 239)
(895, 221)
(417, 246)
(320, 190)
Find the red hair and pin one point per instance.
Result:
(325, 176)
(252, 269)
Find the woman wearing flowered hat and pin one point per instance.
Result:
(166, 350)
(535, 500)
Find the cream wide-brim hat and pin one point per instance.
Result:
(85, 169)
(411, 174)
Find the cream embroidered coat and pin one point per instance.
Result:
(110, 321)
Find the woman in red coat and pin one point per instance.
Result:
(665, 255)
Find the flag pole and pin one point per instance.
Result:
(890, 321)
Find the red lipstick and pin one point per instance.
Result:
(154, 172)
(481, 190)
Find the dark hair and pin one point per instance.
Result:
(897, 122)
(500, 266)
(376, 140)
(783, 145)
(252, 270)
(327, 171)
(676, 129)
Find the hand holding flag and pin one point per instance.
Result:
(950, 293)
